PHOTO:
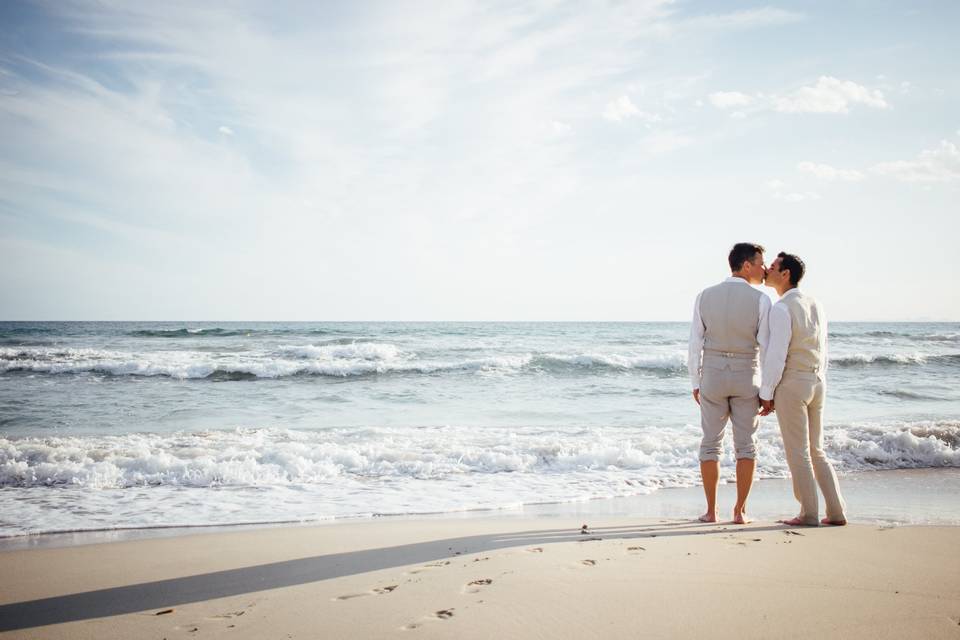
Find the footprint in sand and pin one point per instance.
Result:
(589, 563)
(635, 549)
(427, 567)
(387, 589)
(442, 614)
(228, 615)
(379, 591)
(474, 586)
(536, 550)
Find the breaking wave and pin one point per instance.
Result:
(892, 360)
(254, 457)
(339, 358)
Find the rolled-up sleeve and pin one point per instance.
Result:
(695, 347)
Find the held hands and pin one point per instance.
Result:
(766, 407)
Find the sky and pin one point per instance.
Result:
(459, 160)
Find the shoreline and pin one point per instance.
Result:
(870, 495)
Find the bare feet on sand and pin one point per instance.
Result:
(797, 522)
(741, 518)
(833, 523)
(708, 517)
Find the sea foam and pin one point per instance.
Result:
(338, 358)
(249, 457)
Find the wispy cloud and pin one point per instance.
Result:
(745, 19)
(932, 165)
(782, 191)
(729, 99)
(796, 196)
(623, 108)
(826, 172)
(830, 95)
(620, 109)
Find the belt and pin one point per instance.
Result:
(730, 354)
(813, 369)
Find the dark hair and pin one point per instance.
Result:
(743, 252)
(794, 264)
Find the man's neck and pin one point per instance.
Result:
(737, 274)
(783, 291)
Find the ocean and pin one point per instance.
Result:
(130, 425)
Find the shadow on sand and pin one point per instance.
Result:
(220, 584)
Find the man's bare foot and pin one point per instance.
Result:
(741, 518)
(796, 522)
(833, 523)
(708, 517)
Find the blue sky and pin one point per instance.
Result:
(472, 160)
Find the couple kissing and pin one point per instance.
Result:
(748, 358)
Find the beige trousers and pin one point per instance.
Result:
(729, 389)
(798, 401)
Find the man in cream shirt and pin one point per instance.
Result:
(728, 337)
(794, 385)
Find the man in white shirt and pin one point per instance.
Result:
(728, 337)
(794, 385)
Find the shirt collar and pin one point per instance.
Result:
(736, 279)
(792, 291)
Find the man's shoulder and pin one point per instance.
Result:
(807, 299)
(734, 287)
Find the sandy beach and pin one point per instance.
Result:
(494, 577)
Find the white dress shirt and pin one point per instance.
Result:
(776, 356)
(697, 330)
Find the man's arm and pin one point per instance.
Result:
(763, 326)
(825, 336)
(695, 349)
(776, 352)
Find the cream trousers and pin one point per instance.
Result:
(798, 401)
(729, 389)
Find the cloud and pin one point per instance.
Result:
(729, 99)
(620, 109)
(826, 172)
(780, 191)
(663, 142)
(623, 108)
(797, 197)
(225, 130)
(560, 129)
(932, 165)
(745, 19)
(829, 95)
